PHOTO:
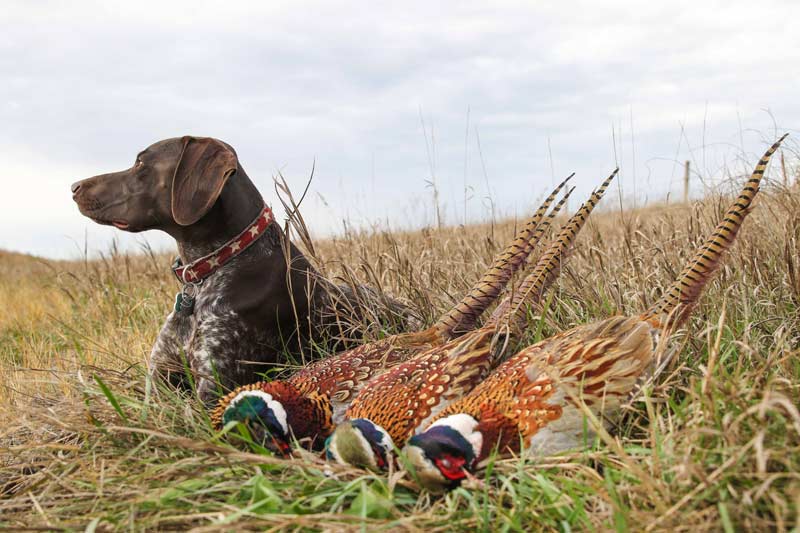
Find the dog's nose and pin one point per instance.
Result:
(75, 187)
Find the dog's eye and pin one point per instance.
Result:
(138, 163)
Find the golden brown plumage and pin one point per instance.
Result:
(341, 376)
(537, 396)
(316, 396)
(405, 398)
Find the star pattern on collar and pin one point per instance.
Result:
(205, 266)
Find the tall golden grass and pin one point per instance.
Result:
(715, 444)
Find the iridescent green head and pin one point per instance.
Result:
(264, 417)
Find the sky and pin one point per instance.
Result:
(494, 102)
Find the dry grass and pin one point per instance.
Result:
(87, 440)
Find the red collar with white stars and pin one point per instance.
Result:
(198, 270)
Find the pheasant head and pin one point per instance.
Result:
(264, 417)
(360, 443)
(443, 455)
(275, 413)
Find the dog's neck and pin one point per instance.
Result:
(235, 209)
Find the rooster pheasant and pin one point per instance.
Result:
(308, 404)
(394, 406)
(538, 395)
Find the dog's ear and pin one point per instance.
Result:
(203, 168)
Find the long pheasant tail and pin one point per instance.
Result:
(464, 314)
(545, 224)
(676, 303)
(502, 308)
(549, 264)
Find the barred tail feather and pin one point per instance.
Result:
(464, 314)
(549, 264)
(502, 307)
(543, 227)
(676, 303)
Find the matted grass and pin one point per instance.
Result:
(87, 441)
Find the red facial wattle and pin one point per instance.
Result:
(380, 461)
(282, 447)
(451, 467)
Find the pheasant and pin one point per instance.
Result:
(308, 404)
(394, 406)
(537, 396)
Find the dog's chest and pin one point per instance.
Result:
(201, 311)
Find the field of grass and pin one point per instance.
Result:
(87, 442)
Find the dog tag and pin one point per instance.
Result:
(184, 304)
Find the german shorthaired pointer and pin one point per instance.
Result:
(248, 295)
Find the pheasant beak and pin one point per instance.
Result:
(472, 482)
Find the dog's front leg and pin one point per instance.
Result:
(167, 356)
(211, 357)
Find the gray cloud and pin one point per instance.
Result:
(87, 85)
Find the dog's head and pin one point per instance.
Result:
(172, 183)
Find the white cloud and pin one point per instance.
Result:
(87, 85)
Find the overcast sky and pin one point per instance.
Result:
(499, 97)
